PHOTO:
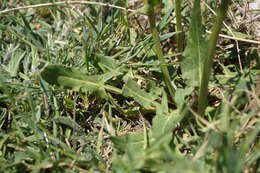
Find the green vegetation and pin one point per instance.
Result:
(90, 87)
(180, 36)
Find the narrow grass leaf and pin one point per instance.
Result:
(167, 36)
(13, 66)
(68, 122)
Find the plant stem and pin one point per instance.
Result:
(180, 36)
(221, 14)
(113, 89)
(158, 48)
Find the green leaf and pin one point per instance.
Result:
(68, 122)
(109, 64)
(72, 79)
(132, 89)
(3, 27)
(129, 152)
(168, 35)
(167, 10)
(164, 121)
(153, 2)
(196, 49)
(168, 6)
(15, 61)
(22, 155)
(153, 88)
(180, 96)
(135, 141)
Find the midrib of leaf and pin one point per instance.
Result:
(108, 87)
(198, 49)
(166, 122)
(198, 41)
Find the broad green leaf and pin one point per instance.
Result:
(135, 141)
(72, 79)
(130, 152)
(22, 155)
(164, 121)
(109, 64)
(196, 49)
(131, 89)
(153, 88)
(180, 96)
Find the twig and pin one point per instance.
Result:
(238, 39)
(64, 3)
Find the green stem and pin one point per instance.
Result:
(221, 14)
(158, 48)
(180, 36)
